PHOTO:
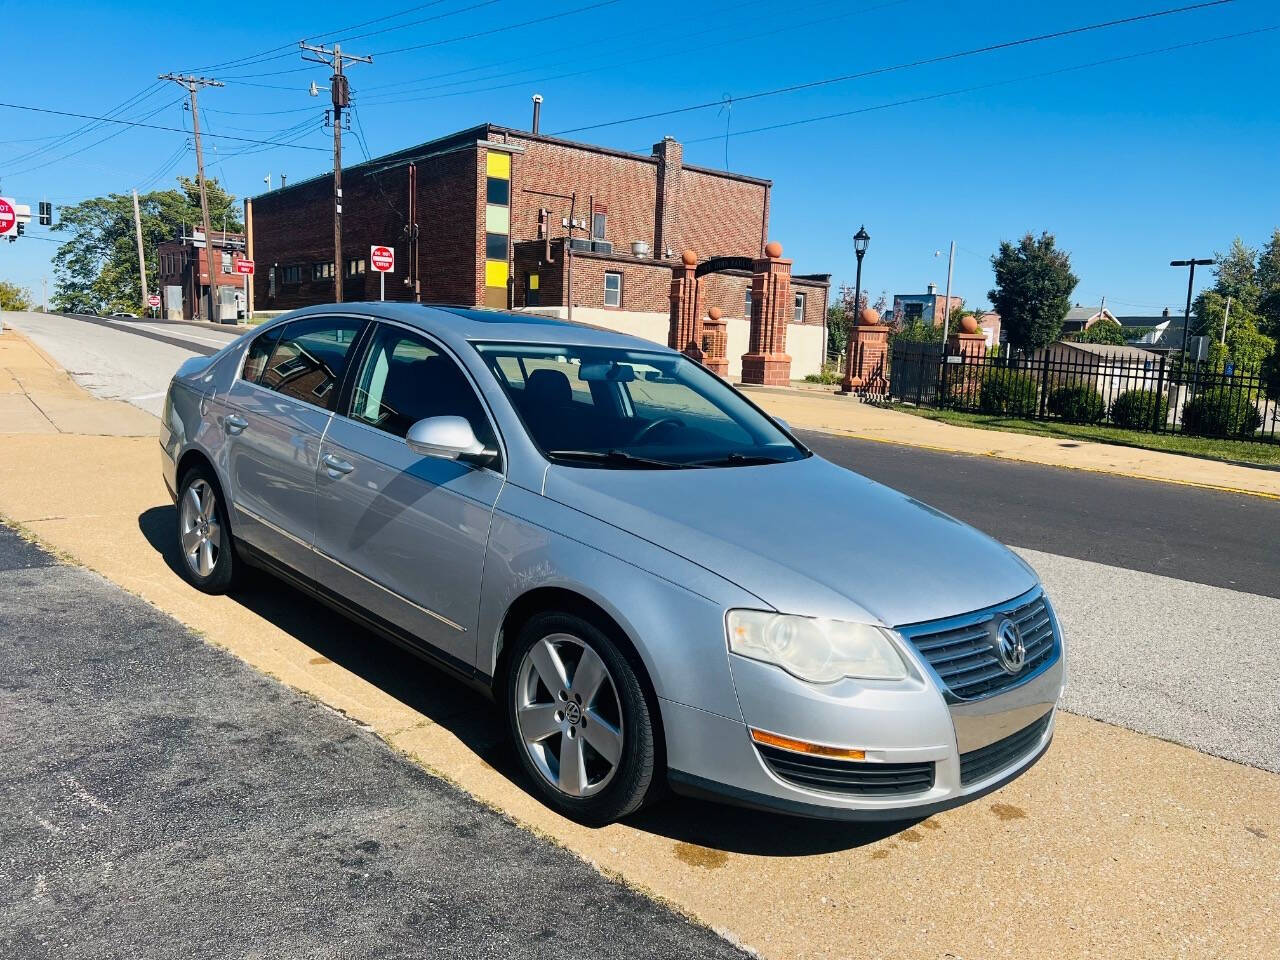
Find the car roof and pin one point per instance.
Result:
(462, 325)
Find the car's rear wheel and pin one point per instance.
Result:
(579, 719)
(204, 535)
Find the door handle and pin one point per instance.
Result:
(235, 424)
(336, 466)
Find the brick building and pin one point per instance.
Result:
(484, 217)
(182, 270)
(931, 306)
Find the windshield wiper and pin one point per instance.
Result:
(617, 457)
(738, 460)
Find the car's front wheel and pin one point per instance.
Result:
(204, 535)
(580, 720)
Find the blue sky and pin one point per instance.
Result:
(1129, 163)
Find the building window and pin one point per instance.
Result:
(292, 274)
(612, 289)
(322, 271)
(498, 191)
(597, 224)
(355, 267)
(495, 246)
(747, 305)
(799, 317)
(226, 262)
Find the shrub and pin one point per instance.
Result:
(1222, 412)
(830, 374)
(1077, 404)
(1007, 392)
(1140, 410)
(962, 389)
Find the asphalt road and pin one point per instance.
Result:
(1202, 536)
(159, 798)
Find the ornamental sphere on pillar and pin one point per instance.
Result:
(690, 258)
(969, 324)
(714, 313)
(868, 316)
(773, 250)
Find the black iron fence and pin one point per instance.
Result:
(1124, 388)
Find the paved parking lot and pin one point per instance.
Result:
(162, 799)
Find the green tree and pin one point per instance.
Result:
(1268, 276)
(96, 270)
(14, 297)
(1236, 274)
(1033, 290)
(1104, 332)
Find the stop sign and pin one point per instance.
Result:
(383, 259)
(8, 217)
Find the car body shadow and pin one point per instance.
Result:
(478, 723)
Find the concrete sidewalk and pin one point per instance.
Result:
(811, 410)
(37, 396)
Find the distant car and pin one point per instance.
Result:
(124, 315)
(656, 580)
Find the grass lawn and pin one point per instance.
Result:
(1264, 453)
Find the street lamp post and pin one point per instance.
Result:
(1191, 279)
(860, 241)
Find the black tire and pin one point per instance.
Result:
(224, 573)
(634, 781)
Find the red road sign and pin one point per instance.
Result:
(153, 301)
(383, 259)
(8, 217)
(242, 265)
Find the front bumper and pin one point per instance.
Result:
(970, 748)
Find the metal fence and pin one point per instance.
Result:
(1124, 389)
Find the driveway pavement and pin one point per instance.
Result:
(159, 798)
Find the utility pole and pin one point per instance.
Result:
(192, 84)
(1225, 314)
(341, 95)
(44, 293)
(946, 312)
(1186, 317)
(142, 257)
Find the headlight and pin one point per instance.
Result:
(820, 651)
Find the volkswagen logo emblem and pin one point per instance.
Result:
(1009, 646)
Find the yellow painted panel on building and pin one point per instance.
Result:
(533, 281)
(497, 219)
(499, 165)
(495, 273)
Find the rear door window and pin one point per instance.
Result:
(255, 360)
(310, 357)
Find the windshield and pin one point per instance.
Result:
(632, 409)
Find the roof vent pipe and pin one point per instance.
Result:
(537, 111)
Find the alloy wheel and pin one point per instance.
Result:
(201, 533)
(569, 715)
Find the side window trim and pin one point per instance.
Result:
(363, 345)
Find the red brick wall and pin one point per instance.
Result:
(722, 216)
(646, 287)
(815, 301)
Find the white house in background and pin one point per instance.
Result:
(1082, 318)
(1109, 370)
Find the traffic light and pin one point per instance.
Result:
(46, 213)
(22, 228)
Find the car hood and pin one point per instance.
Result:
(806, 537)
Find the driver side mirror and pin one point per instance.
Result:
(447, 438)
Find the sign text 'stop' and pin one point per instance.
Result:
(8, 217)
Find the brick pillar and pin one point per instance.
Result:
(715, 343)
(971, 346)
(685, 330)
(866, 372)
(766, 360)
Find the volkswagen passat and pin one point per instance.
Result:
(658, 582)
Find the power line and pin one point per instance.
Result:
(95, 143)
(513, 26)
(986, 86)
(70, 135)
(927, 61)
(134, 123)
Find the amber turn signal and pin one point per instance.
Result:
(801, 746)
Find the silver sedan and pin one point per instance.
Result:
(657, 582)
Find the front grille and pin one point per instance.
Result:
(848, 776)
(981, 763)
(964, 656)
